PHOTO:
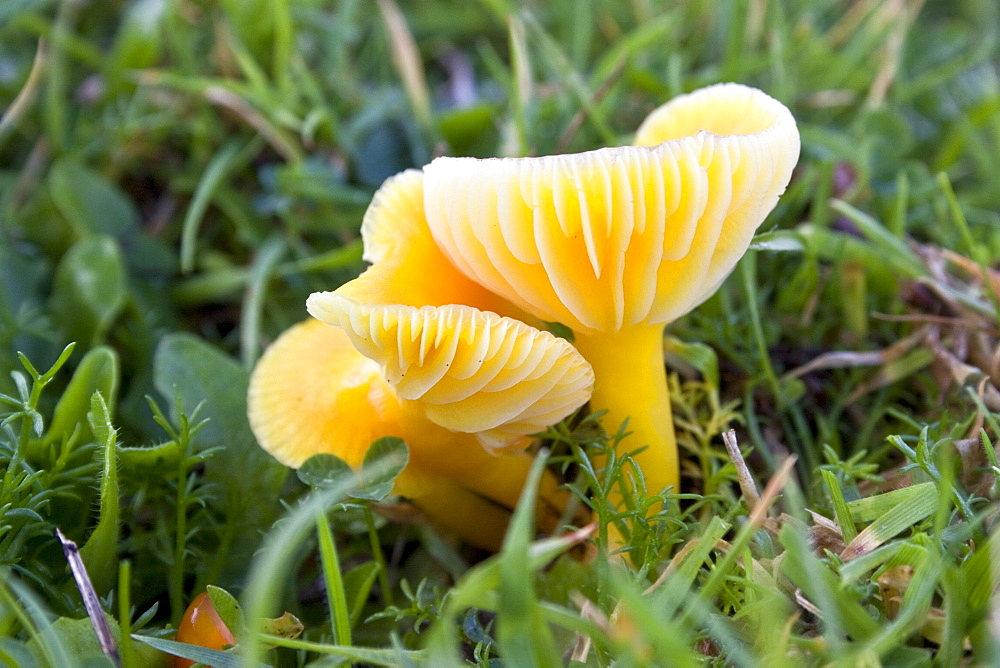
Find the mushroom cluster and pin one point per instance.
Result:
(408, 356)
(443, 340)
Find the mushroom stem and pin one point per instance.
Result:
(630, 381)
(496, 479)
(459, 510)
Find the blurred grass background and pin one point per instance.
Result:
(176, 176)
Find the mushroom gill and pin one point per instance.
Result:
(617, 242)
(447, 380)
(469, 371)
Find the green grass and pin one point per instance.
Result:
(177, 176)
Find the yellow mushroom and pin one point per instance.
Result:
(407, 267)
(615, 243)
(446, 381)
(466, 370)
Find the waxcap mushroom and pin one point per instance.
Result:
(312, 392)
(615, 243)
(407, 267)
(617, 237)
(472, 371)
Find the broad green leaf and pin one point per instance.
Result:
(873, 507)
(286, 626)
(247, 480)
(22, 275)
(387, 457)
(97, 372)
(324, 470)
(698, 355)
(17, 653)
(229, 610)
(80, 643)
(358, 584)
(383, 462)
(89, 289)
(91, 204)
(100, 553)
(155, 458)
(44, 640)
(913, 508)
(465, 129)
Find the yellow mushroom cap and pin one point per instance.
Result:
(311, 393)
(619, 237)
(407, 266)
(393, 221)
(722, 109)
(471, 371)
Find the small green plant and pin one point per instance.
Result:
(41, 482)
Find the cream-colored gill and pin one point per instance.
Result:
(612, 238)
(472, 371)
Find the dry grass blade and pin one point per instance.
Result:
(902, 17)
(580, 116)
(25, 98)
(672, 566)
(989, 276)
(947, 321)
(960, 372)
(747, 485)
(825, 534)
(229, 100)
(917, 502)
(90, 599)
(807, 605)
(406, 55)
(774, 486)
(590, 612)
(844, 359)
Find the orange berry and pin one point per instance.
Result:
(202, 626)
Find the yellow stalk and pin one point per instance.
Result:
(471, 517)
(630, 382)
(438, 455)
